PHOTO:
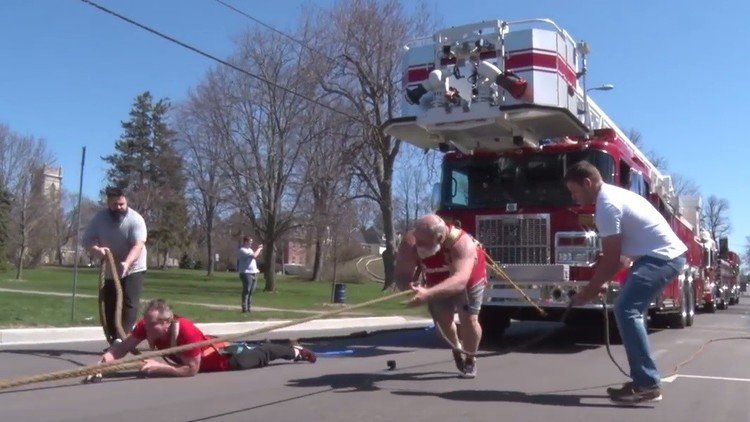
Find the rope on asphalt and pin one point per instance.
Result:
(700, 349)
(135, 362)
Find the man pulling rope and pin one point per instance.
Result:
(455, 271)
(162, 330)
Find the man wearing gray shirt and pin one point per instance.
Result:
(122, 231)
(248, 269)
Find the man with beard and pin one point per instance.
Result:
(122, 231)
(454, 268)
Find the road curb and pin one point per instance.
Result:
(319, 328)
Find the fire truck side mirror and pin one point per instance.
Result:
(435, 197)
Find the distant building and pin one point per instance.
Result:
(51, 182)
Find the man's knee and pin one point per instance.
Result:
(443, 317)
(625, 310)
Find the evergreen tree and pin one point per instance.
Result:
(146, 165)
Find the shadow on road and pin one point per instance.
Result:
(351, 382)
(247, 409)
(571, 400)
(54, 354)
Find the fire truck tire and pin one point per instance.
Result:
(494, 322)
(722, 304)
(683, 318)
(690, 300)
(710, 307)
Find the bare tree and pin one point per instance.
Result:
(22, 160)
(416, 173)
(263, 134)
(366, 37)
(199, 143)
(715, 216)
(685, 186)
(658, 160)
(328, 186)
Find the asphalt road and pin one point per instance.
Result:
(560, 379)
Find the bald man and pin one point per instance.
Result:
(454, 269)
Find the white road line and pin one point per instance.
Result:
(659, 352)
(674, 377)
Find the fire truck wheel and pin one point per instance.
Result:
(710, 307)
(494, 322)
(683, 318)
(690, 299)
(722, 304)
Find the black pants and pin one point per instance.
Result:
(259, 356)
(248, 287)
(132, 285)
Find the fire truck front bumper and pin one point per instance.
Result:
(548, 286)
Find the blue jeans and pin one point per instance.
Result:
(248, 287)
(647, 278)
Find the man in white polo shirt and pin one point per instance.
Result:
(629, 226)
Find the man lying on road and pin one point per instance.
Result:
(162, 329)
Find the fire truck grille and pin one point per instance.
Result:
(515, 239)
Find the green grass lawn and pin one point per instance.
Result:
(17, 310)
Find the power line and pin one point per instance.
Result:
(212, 57)
(229, 6)
(278, 31)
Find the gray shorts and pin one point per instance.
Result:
(469, 300)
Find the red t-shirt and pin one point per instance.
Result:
(188, 333)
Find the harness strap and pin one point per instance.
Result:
(214, 348)
(453, 235)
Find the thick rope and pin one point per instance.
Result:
(607, 339)
(109, 259)
(135, 362)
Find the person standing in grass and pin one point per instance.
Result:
(247, 266)
(122, 231)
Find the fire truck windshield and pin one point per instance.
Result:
(527, 180)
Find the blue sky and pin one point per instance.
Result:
(70, 72)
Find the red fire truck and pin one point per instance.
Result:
(507, 103)
(729, 274)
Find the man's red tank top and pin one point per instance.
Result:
(436, 267)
